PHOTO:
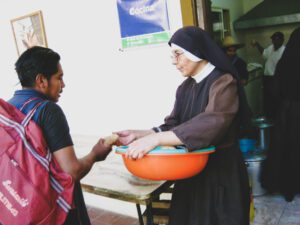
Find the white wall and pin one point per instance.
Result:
(236, 7)
(106, 89)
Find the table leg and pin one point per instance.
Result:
(149, 214)
(138, 207)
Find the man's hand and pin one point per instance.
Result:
(255, 44)
(101, 150)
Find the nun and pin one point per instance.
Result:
(280, 170)
(210, 109)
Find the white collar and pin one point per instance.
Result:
(208, 68)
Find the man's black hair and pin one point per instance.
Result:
(278, 35)
(34, 61)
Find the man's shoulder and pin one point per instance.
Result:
(52, 108)
(269, 48)
(49, 111)
(268, 51)
(282, 48)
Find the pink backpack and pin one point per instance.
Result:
(33, 188)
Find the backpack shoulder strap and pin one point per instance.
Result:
(30, 107)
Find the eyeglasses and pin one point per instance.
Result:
(175, 54)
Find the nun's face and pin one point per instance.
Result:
(186, 66)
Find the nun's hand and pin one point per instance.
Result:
(139, 148)
(128, 136)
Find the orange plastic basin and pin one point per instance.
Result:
(167, 164)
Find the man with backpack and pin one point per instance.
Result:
(41, 76)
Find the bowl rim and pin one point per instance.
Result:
(180, 150)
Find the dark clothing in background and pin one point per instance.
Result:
(270, 99)
(54, 125)
(205, 114)
(241, 67)
(281, 169)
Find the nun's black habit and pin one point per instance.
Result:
(210, 113)
(281, 169)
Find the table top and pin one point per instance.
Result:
(110, 178)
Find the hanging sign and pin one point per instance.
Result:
(143, 22)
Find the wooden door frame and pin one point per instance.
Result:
(197, 13)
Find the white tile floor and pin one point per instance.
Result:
(274, 210)
(269, 209)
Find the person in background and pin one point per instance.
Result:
(41, 76)
(281, 169)
(230, 47)
(209, 108)
(271, 55)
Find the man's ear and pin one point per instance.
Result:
(41, 81)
